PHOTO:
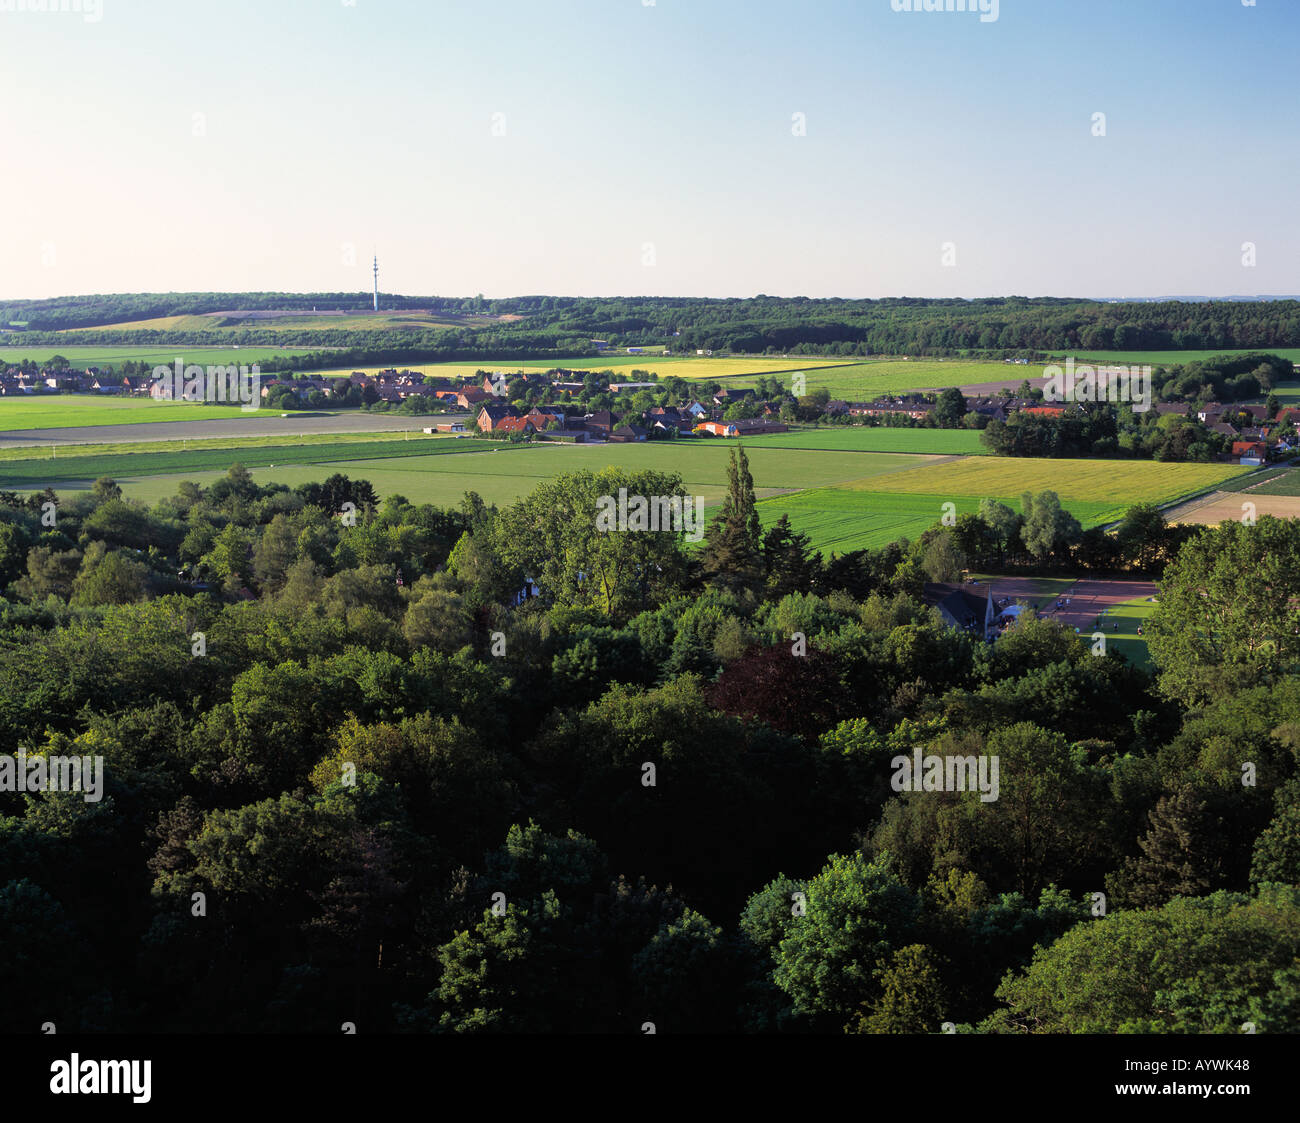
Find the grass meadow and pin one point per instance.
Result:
(58, 411)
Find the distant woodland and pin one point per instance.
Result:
(761, 324)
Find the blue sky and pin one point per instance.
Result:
(602, 147)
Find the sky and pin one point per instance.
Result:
(650, 147)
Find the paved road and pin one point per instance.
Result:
(258, 425)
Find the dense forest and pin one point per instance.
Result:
(761, 324)
(351, 776)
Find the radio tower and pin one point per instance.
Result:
(376, 282)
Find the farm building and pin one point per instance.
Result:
(961, 608)
(750, 427)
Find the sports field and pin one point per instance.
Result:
(1115, 608)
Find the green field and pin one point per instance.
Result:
(1115, 483)
(499, 473)
(44, 454)
(847, 488)
(864, 381)
(875, 511)
(78, 472)
(870, 438)
(13, 350)
(59, 411)
(1285, 482)
(1174, 358)
(841, 519)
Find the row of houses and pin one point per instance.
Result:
(88, 381)
(604, 425)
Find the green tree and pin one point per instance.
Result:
(831, 961)
(1196, 965)
(109, 577)
(949, 409)
(1048, 528)
(1179, 854)
(732, 556)
(913, 998)
(565, 536)
(1229, 610)
(790, 563)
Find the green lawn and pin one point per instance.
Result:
(1130, 616)
(59, 411)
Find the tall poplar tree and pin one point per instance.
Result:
(733, 557)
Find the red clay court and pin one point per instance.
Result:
(1088, 598)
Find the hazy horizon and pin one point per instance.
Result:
(597, 149)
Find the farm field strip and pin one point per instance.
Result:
(445, 478)
(845, 518)
(1124, 482)
(68, 471)
(1285, 483)
(13, 351)
(681, 366)
(868, 438)
(1223, 506)
(705, 464)
(1175, 358)
(46, 454)
(862, 381)
(71, 411)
